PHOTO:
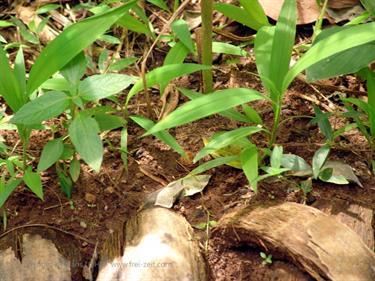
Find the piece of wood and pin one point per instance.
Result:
(312, 240)
(159, 246)
(358, 218)
(40, 261)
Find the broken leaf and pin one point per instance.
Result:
(187, 186)
(341, 172)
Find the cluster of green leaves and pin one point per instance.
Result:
(31, 106)
(273, 52)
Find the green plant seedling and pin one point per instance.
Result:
(18, 91)
(266, 259)
(273, 50)
(322, 169)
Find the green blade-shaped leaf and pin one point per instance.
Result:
(50, 154)
(249, 162)
(226, 48)
(75, 169)
(34, 182)
(176, 54)
(159, 3)
(230, 113)
(182, 32)
(56, 84)
(331, 45)
(295, 163)
(101, 86)
(214, 163)
(20, 72)
(9, 187)
(42, 108)
(9, 87)
(108, 122)
(70, 43)
(133, 24)
(75, 69)
(222, 140)
(345, 62)
(282, 46)
(263, 49)
(205, 106)
(165, 74)
(276, 157)
(238, 14)
(369, 5)
(165, 137)
(124, 147)
(83, 133)
(319, 159)
(255, 12)
(367, 108)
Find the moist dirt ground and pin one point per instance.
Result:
(102, 202)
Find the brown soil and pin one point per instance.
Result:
(103, 202)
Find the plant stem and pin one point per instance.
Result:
(206, 45)
(275, 124)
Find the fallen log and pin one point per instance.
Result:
(159, 245)
(312, 240)
(358, 217)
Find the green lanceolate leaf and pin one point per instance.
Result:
(263, 49)
(83, 132)
(249, 162)
(367, 108)
(323, 122)
(108, 122)
(238, 14)
(226, 48)
(214, 163)
(20, 72)
(129, 22)
(296, 164)
(182, 32)
(349, 61)
(70, 43)
(7, 189)
(282, 45)
(102, 86)
(124, 147)
(164, 74)
(9, 87)
(176, 54)
(319, 159)
(75, 169)
(34, 182)
(165, 137)
(159, 3)
(255, 12)
(229, 113)
(276, 157)
(66, 183)
(369, 5)
(51, 153)
(205, 106)
(75, 69)
(222, 140)
(338, 42)
(42, 108)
